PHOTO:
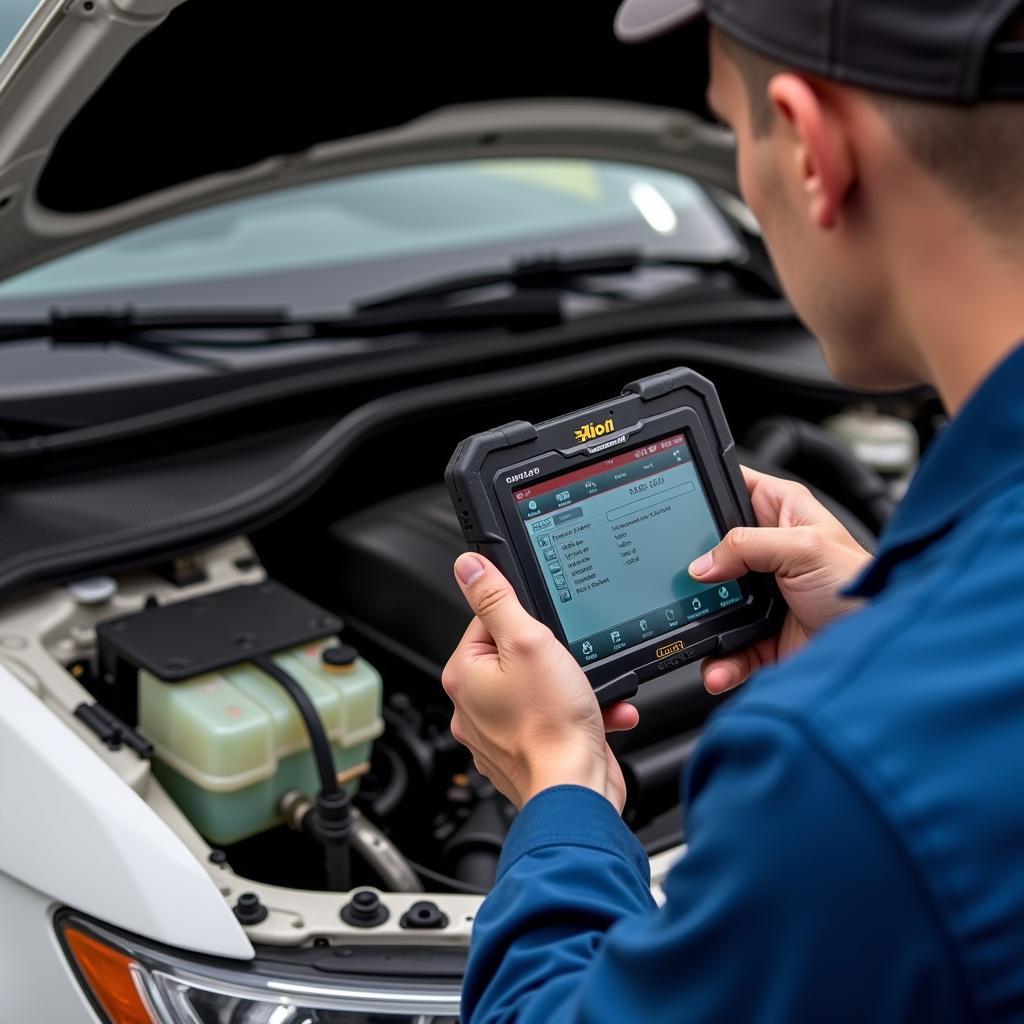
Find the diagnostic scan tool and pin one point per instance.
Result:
(594, 518)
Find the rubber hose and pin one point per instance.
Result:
(318, 737)
(796, 444)
(653, 776)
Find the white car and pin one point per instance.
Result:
(262, 265)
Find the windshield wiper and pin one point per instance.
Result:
(535, 304)
(569, 274)
(255, 328)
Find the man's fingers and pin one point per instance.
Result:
(724, 674)
(775, 500)
(754, 477)
(476, 633)
(620, 718)
(493, 600)
(788, 552)
(476, 643)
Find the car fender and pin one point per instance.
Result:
(76, 832)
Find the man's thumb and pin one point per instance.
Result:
(763, 549)
(490, 596)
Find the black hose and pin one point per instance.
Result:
(474, 849)
(330, 824)
(653, 776)
(815, 454)
(330, 821)
(318, 737)
(439, 879)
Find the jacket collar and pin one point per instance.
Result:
(972, 461)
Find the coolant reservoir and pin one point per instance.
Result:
(229, 744)
(887, 444)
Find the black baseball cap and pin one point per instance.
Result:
(946, 50)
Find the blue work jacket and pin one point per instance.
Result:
(855, 815)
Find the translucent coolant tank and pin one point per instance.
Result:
(229, 744)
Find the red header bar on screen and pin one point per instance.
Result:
(597, 468)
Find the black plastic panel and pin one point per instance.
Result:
(185, 639)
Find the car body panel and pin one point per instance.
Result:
(63, 806)
(36, 981)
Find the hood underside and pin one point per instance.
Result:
(115, 113)
(223, 84)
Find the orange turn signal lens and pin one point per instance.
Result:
(108, 973)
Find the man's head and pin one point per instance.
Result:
(857, 187)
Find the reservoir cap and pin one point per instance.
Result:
(339, 656)
(96, 590)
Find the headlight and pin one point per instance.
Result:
(132, 983)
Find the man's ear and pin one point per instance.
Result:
(821, 156)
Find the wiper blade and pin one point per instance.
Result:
(535, 304)
(276, 326)
(102, 325)
(547, 273)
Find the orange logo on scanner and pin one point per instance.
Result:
(667, 652)
(591, 431)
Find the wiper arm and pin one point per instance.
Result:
(102, 325)
(548, 273)
(275, 326)
(535, 304)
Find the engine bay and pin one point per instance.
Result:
(182, 675)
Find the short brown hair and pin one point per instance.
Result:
(977, 151)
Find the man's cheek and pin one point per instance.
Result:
(751, 186)
(760, 187)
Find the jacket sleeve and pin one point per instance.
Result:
(793, 903)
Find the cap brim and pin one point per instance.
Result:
(640, 20)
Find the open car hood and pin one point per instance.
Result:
(119, 113)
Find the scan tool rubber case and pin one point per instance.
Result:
(594, 518)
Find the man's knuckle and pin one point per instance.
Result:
(490, 600)
(737, 540)
(456, 729)
(808, 544)
(530, 639)
(450, 680)
(798, 491)
(519, 645)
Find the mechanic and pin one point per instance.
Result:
(856, 815)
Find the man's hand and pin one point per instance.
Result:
(523, 706)
(812, 556)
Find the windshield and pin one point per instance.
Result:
(322, 246)
(13, 14)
